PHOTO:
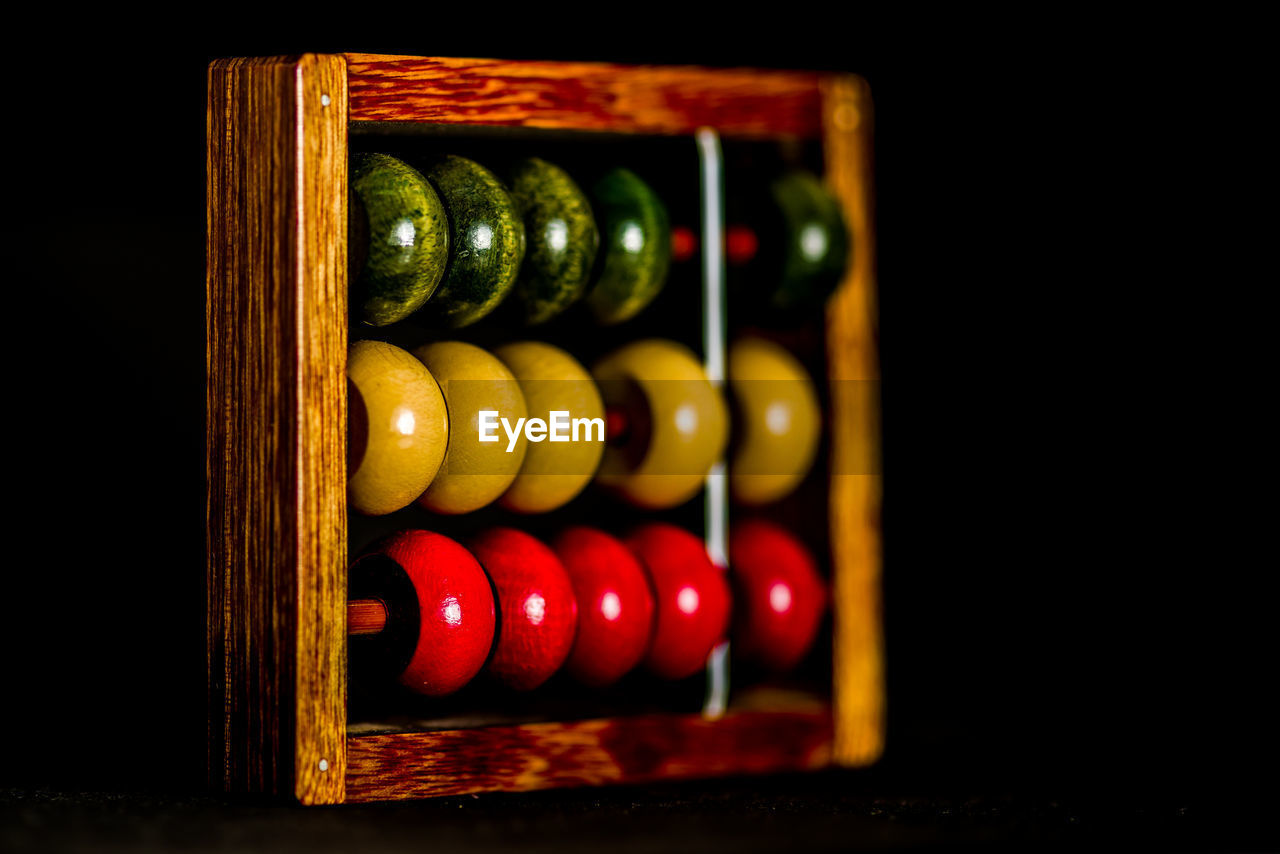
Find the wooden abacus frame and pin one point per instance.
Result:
(276, 327)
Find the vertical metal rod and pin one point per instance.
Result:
(714, 324)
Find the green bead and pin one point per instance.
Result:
(636, 235)
(399, 239)
(487, 239)
(562, 239)
(816, 246)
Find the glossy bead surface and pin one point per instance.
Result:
(398, 428)
(615, 605)
(691, 599)
(486, 238)
(560, 235)
(677, 423)
(779, 422)
(399, 240)
(473, 473)
(455, 609)
(779, 597)
(815, 242)
(553, 381)
(538, 614)
(635, 235)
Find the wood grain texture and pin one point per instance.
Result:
(585, 96)
(275, 422)
(366, 616)
(859, 686)
(583, 753)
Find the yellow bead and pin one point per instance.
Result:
(780, 422)
(677, 423)
(474, 473)
(554, 472)
(398, 428)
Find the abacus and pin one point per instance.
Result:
(292, 142)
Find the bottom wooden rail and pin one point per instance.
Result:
(642, 748)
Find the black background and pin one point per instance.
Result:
(1068, 601)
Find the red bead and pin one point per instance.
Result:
(684, 243)
(537, 611)
(779, 596)
(455, 609)
(691, 599)
(615, 605)
(741, 244)
(615, 424)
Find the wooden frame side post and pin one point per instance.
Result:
(276, 338)
(859, 687)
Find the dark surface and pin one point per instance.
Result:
(1078, 643)
(830, 811)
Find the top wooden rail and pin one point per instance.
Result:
(585, 96)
